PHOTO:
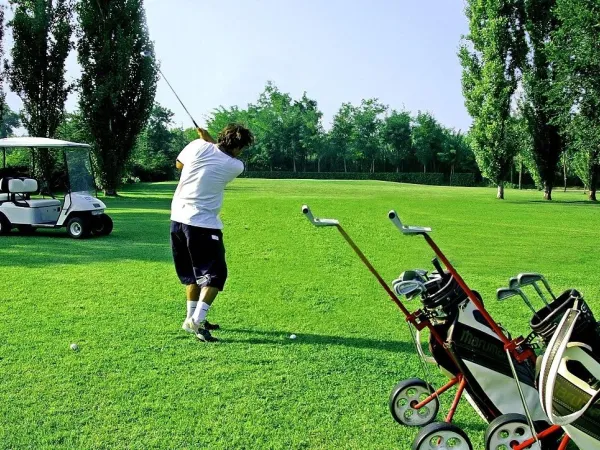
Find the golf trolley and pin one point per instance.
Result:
(80, 212)
(472, 350)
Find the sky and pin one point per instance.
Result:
(222, 52)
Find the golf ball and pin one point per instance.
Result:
(74, 347)
(292, 336)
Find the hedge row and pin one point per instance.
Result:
(438, 179)
(462, 179)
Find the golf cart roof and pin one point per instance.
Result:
(39, 142)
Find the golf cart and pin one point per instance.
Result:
(80, 212)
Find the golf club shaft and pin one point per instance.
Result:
(540, 293)
(188, 113)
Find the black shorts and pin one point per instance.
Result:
(199, 255)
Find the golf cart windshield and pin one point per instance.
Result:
(80, 170)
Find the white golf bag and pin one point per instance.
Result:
(569, 380)
(473, 349)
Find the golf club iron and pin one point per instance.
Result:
(505, 293)
(531, 279)
(409, 288)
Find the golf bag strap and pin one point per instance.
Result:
(550, 366)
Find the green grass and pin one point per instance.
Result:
(139, 382)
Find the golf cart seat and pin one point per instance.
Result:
(18, 191)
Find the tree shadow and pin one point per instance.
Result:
(137, 235)
(566, 202)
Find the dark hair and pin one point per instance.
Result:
(234, 136)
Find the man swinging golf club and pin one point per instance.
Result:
(207, 166)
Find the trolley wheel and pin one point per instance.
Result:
(442, 436)
(408, 393)
(508, 430)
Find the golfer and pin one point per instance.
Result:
(196, 229)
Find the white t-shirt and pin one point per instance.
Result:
(199, 195)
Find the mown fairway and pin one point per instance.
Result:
(138, 381)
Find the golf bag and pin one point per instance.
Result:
(472, 348)
(569, 371)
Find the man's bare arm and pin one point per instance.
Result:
(204, 134)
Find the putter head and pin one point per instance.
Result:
(409, 288)
(404, 228)
(318, 222)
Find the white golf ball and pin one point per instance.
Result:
(292, 336)
(74, 347)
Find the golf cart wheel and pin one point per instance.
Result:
(5, 225)
(406, 395)
(26, 229)
(102, 225)
(78, 227)
(441, 436)
(507, 431)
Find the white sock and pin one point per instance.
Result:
(191, 307)
(200, 313)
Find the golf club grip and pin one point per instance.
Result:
(438, 266)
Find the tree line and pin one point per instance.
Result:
(531, 81)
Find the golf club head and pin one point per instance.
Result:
(417, 274)
(409, 288)
(318, 222)
(504, 293)
(146, 53)
(421, 272)
(404, 229)
(526, 279)
(513, 283)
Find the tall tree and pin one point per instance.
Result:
(341, 133)
(575, 47)
(42, 32)
(396, 135)
(118, 85)
(310, 128)
(366, 139)
(427, 139)
(539, 77)
(494, 50)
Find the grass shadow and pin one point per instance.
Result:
(282, 338)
